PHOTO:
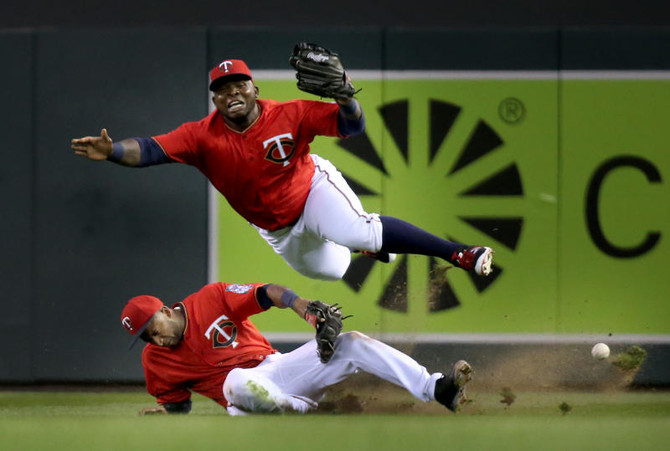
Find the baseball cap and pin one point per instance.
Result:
(137, 313)
(227, 68)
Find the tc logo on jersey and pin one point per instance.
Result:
(280, 148)
(222, 332)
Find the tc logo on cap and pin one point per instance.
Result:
(229, 68)
(127, 324)
(138, 311)
(225, 65)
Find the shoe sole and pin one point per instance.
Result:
(461, 374)
(484, 262)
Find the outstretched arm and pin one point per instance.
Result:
(133, 152)
(98, 148)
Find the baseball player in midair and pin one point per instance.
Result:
(207, 344)
(256, 153)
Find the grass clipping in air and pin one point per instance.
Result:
(631, 359)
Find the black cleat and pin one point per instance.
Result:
(450, 389)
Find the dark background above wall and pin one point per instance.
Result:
(297, 13)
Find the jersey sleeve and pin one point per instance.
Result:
(241, 300)
(164, 391)
(320, 118)
(181, 144)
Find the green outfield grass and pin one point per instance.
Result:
(109, 420)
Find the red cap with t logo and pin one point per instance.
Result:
(228, 68)
(137, 313)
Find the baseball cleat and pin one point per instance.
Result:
(477, 258)
(450, 389)
(384, 257)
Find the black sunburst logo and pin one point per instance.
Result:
(504, 230)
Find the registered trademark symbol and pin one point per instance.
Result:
(511, 110)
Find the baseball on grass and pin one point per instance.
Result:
(600, 351)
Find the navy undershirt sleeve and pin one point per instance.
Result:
(151, 153)
(349, 126)
(263, 298)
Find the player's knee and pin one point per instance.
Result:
(334, 274)
(347, 340)
(235, 387)
(248, 392)
(353, 335)
(328, 276)
(366, 233)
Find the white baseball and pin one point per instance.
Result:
(600, 351)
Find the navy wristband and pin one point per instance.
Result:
(288, 297)
(350, 108)
(117, 153)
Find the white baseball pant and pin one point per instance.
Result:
(332, 224)
(295, 381)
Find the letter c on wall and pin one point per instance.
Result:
(592, 219)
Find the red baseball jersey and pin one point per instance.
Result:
(265, 172)
(218, 338)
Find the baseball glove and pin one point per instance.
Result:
(320, 72)
(327, 319)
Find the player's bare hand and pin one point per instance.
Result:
(160, 410)
(95, 148)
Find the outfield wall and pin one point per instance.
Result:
(548, 144)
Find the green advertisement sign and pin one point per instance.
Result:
(615, 217)
(487, 162)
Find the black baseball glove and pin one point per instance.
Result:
(320, 72)
(327, 319)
